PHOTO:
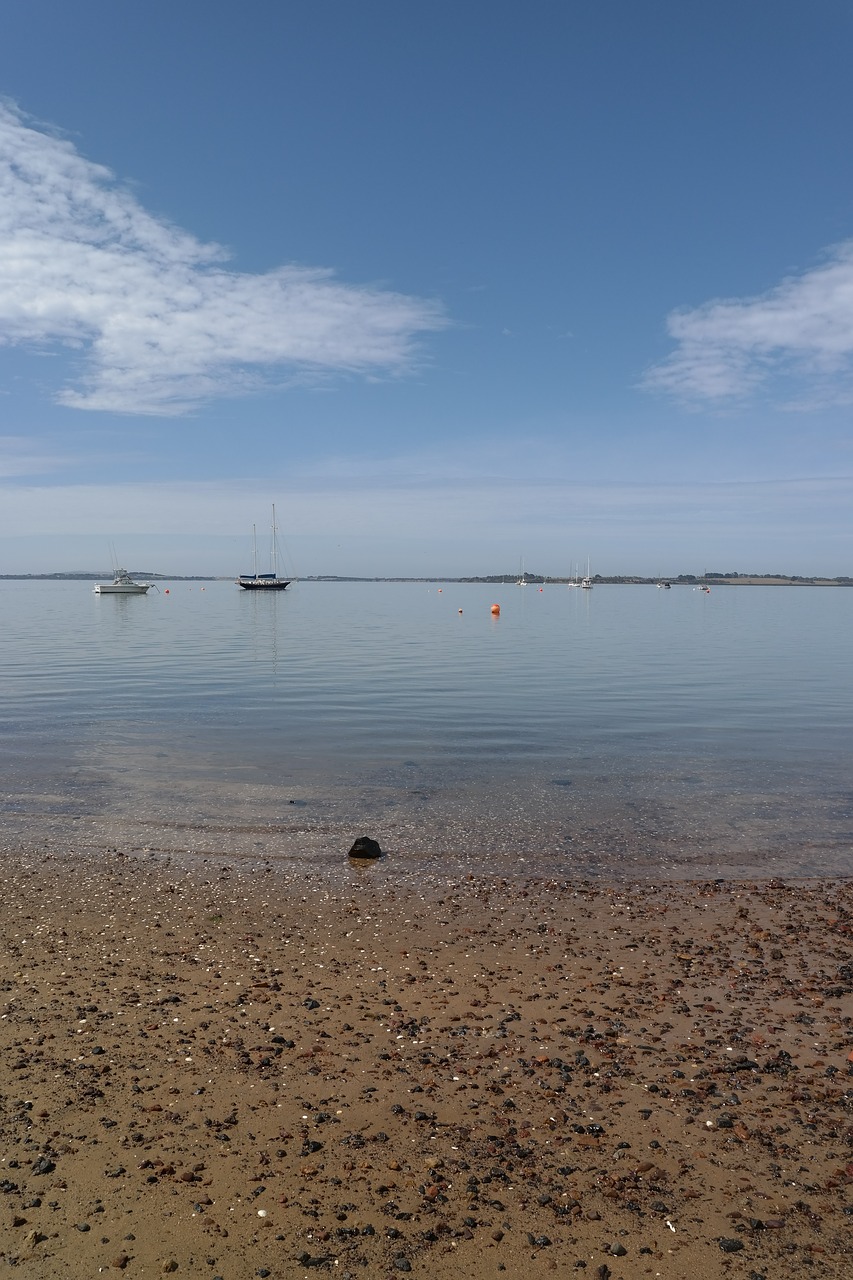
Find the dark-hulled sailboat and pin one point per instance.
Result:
(256, 581)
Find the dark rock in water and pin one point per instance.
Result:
(365, 847)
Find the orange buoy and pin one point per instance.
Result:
(495, 609)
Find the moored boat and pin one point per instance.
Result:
(256, 581)
(122, 585)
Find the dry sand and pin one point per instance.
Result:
(221, 1068)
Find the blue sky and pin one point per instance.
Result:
(452, 284)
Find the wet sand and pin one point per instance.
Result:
(224, 1067)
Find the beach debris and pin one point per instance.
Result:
(365, 847)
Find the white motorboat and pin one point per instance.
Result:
(122, 585)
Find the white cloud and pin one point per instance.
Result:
(801, 330)
(161, 325)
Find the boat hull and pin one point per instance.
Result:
(263, 584)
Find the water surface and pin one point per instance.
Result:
(625, 730)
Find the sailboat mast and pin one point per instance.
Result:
(274, 545)
(254, 551)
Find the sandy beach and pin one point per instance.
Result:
(219, 1067)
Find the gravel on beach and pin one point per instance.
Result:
(219, 1067)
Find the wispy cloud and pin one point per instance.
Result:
(23, 456)
(397, 499)
(393, 518)
(800, 331)
(159, 323)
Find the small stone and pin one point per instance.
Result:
(365, 847)
(618, 1250)
(730, 1244)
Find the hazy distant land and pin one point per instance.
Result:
(495, 579)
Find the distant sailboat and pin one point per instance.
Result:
(586, 583)
(256, 581)
(521, 581)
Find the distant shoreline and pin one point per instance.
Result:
(497, 580)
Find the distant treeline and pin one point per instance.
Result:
(775, 579)
(494, 579)
(79, 575)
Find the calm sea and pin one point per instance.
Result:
(626, 730)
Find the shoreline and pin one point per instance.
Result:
(222, 1066)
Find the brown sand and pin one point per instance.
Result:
(217, 1068)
